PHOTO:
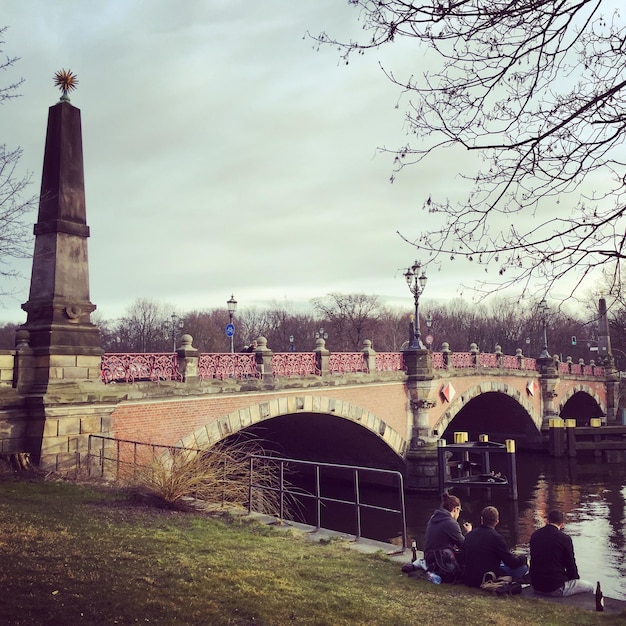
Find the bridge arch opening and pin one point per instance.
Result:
(324, 438)
(581, 404)
(497, 414)
(311, 428)
(342, 434)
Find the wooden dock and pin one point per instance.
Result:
(567, 439)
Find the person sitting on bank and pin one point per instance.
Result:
(443, 533)
(486, 551)
(553, 568)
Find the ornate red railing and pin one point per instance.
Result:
(579, 368)
(510, 362)
(486, 359)
(389, 362)
(347, 362)
(227, 365)
(438, 361)
(286, 364)
(129, 368)
(118, 367)
(461, 360)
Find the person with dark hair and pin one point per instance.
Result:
(486, 551)
(553, 568)
(444, 538)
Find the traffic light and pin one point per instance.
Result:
(573, 340)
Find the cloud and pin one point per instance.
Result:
(223, 154)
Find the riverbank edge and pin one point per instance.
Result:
(396, 554)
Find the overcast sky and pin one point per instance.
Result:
(223, 153)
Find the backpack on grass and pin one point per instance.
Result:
(444, 563)
(500, 585)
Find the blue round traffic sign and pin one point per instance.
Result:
(230, 330)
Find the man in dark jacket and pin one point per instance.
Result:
(553, 568)
(486, 551)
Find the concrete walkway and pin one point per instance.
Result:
(396, 554)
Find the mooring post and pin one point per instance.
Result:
(441, 463)
(512, 468)
(596, 422)
(570, 436)
(557, 436)
(486, 469)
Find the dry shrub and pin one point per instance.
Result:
(190, 478)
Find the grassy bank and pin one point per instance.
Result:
(76, 554)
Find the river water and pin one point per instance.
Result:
(590, 492)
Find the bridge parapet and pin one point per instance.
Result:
(263, 363)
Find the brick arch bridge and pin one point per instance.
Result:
(404, 401)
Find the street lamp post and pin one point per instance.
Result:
(542, 308)
(429, 328)
(232, 307)
(416, 280)
(292, 345)
(176, 325)
(321, 334)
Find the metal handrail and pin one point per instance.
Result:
(319, 499)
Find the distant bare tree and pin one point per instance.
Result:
(251, 323)
(537, 90)
(146, 327)
(208, 330)
(350, 317)
(7, 335)
(15, 204)
(392, 332)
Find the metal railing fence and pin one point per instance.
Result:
(284, 491)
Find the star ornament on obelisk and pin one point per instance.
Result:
(66, 82)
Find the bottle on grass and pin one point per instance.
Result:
(599, 598)
(434, 578)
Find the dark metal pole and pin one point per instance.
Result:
(512, 468)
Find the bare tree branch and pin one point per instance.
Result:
(537, 88)
(15, 203)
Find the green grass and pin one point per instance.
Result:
(80, 554)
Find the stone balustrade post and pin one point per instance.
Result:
(499, 355)
(474, 351)
(188, 358)
(369, 355)
(321, 356)
(447, 354)
(264, 359)
(520, 358)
